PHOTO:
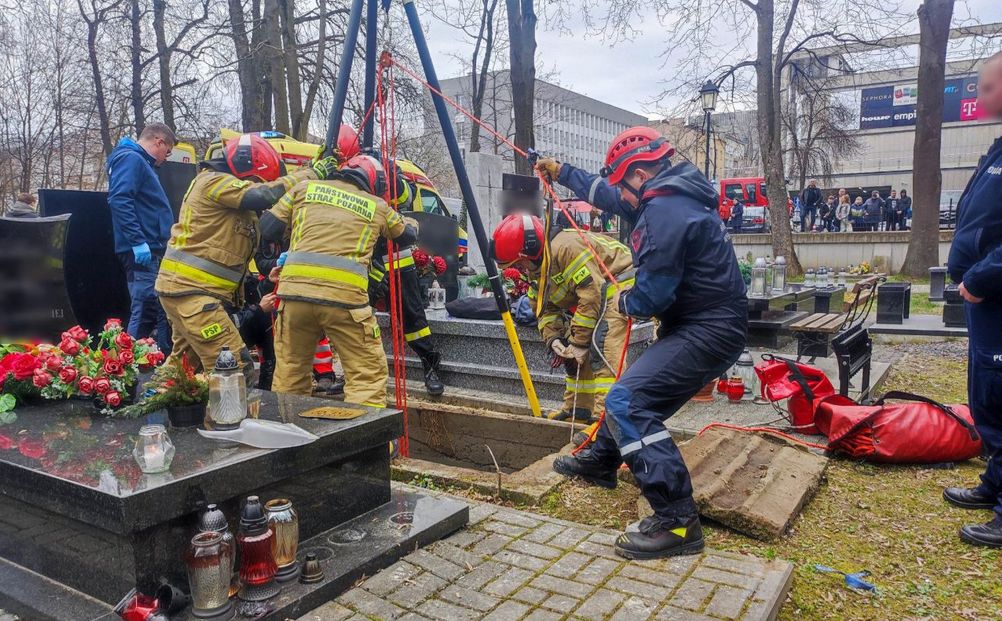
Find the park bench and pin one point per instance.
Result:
(820, 334)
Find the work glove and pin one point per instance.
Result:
(413, 223)
(142, 254)
(549, 168)
(570, 351)
(324, 167)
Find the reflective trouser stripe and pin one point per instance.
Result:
(633, 447)
(592, 387)
(611, 291)
(413, 336)
(326, 267)
(213, 276)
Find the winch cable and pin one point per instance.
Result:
(556, 200)
(388, 148)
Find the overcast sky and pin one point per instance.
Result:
(614, 73)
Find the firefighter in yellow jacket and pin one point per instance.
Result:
(592, 340)
(213, 241)
(333, 226)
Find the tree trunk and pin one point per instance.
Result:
(272, 49)
(163, 60)
(927, 177)
(522, 56)
(136, 60)
(299, 125)
(95, 68)
(311, 93)
(253, 105)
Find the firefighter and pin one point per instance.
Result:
(416, 330)
(213, 241)
(592, 340)
(333, 226)
(687, 277)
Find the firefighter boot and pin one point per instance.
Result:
(432, 383)
(973, 498)
(586, 466)
(656, 539)
(988, 535)
(581, 415)
(585, 435)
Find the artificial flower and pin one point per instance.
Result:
(67, 374)
(102, 385)
(113, 399)
(85, 385)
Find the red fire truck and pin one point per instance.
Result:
(751, 192)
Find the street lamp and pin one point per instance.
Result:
(708, 94)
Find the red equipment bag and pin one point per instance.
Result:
(920, 432)
(802, 384)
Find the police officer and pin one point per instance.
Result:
(213, 241)
(688, 278)
(333, 226)
(592, 340)
(976, 263)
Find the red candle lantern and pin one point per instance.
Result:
(735, 388)
(257, 561)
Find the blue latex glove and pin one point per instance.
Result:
(142, 254)
(281, 259)
(853, 581)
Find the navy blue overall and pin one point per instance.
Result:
(976, 260)
(688, 278)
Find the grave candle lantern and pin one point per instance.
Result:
(154, 451)
(284, 523)
(257, 560)
(209, 561)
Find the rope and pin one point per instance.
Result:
(768, 430)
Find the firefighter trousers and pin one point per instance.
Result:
(354, 336)
(655, 386)
(201, 328)
(596, 377)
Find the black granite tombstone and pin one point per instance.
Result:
(95, 281)
(439, 235)
(893, 302)
(33, 301)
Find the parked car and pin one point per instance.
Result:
(948, 200)
(755, 220)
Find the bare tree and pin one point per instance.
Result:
(927, 177)
(96, 15)
(522, 65)
(818, 133)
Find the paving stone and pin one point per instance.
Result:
(544, 615)
(444, 611)
(569, 537)
(634, 609)
(483, 574)
(643, 590)
(436, 564)
(734, 563)
(597, 571)
(692, 594)
(599, 605)
(468, 598)
(559, 585)
(491, 544)
(670, 613)
(331, 611)
(391, 578)
(412, 616)
(504, 528)
(680, 565)
(417, 590)
(510, 581)
(597, 549)
(726, 577)
(568, 565)
(456, 555)
(508, 611)
(545, 532)
(561, 603)
(479, 513)
(530, 595)
(534, 549)
(643, 574)
(466, 538)
(727, 602)
(368, 604)
(603, 538)
(521, 560)
(517, 518)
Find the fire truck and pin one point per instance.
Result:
(751, 192)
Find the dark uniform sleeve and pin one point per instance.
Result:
(596, 191)
(660, 265)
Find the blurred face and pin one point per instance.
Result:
(633, 181)
(158, 148)
(859, 200)
(875, 194)
(812, 183)
(894, 194)
(990, 89)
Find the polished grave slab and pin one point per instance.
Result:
(77, 510)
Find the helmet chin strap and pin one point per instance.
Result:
(664, 166)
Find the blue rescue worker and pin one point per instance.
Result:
(688, 279)
(976, 263)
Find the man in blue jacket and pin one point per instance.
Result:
(688, 278)
(141, 217)
(976, 263)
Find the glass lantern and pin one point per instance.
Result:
(257, 560)
(154, 451)
(284, 523)
(779, 274)
(436, 296)
(809, 278)
(745, 369)
(227, 392)
(758, 278)
(209, 561)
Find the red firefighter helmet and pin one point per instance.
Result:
(347, 142)
(519, 236)
(636, 144)
(250, 155)
(368, 173)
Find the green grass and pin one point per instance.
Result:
(921, 305)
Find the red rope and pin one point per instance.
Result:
(769, 430)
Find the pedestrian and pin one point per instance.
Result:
(873, 211)
(688, 279)
(141, 219)
(975, 263)
(810, 199)
(827, 214)
(857, 215)
(892, 212)
(842, 221)
(905, 209)
(323, 284)
(213, 242)
(737, 215)
(23, 207)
